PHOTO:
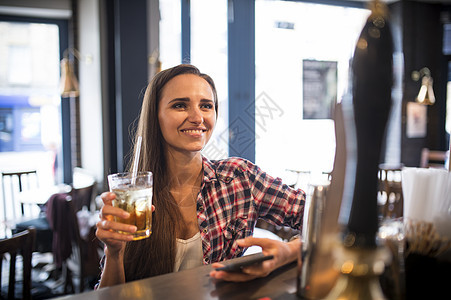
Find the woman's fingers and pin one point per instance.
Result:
(253, 241)
(108, 211)
(247, 273)
(230, 276)
(112, 237)
(106, 224)
(280, 250)
(109, 231)
(108, 197)
(260, 270)
(108, 236)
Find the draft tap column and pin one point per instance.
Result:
(360, 259)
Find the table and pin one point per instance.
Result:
(39, 196)
(197, 284)
(428, 279)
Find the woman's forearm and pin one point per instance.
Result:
(113, 272)
(295, 249)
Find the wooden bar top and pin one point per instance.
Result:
(197, 284)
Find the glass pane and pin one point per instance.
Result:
(170, 33)
(209, 54)
(448, 103)
(290, 35)
(30, 127)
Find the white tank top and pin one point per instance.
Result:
(189, 253)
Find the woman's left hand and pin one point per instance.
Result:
(283, 253)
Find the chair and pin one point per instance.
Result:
(390, 197)
(21, 244)
(73, 253)
(62, 234)
(434, 159)
(18, 182)
(85, 258)
(83, 196)
(82, 189)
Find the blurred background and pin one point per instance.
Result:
(279, 67)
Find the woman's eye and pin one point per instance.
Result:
(179, 105)
(207, 106)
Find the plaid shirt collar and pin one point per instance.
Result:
(209, 171)
(224, 171)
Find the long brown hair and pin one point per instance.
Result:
(156, 255)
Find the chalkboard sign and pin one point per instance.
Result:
(319, 79)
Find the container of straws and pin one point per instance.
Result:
(427, 231)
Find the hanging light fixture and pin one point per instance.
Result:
(68, 82)
(426, 93)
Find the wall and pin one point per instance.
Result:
(90, 89)
(422, 30)
(125, 69)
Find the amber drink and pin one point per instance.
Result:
(134, 195)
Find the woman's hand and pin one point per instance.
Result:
(108, 232)
(107, 228)
(283, 253)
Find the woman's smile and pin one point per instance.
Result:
(194, 132)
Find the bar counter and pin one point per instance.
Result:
(197, 284)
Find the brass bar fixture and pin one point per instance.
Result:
(69, 82)
(426, 94)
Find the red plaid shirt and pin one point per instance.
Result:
(234, 194)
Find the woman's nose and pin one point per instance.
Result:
(195, 116)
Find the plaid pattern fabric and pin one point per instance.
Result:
(234, 194)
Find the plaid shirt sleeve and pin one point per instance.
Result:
(235, 193)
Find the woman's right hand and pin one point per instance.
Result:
(107, 228)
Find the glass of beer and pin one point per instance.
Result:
(134, 195)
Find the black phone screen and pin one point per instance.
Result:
(245, 261)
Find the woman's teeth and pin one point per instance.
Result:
(193, 131)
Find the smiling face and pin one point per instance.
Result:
(187, 113)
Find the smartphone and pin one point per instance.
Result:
(245, 261)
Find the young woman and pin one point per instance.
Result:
(205, 211)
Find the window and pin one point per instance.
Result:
(209, 54)
(287, 35)
(170, 33)
(30, 127)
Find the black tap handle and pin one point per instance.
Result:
(372, 78)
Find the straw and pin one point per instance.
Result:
(427, 210)
(136, 160)
(424, 239)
